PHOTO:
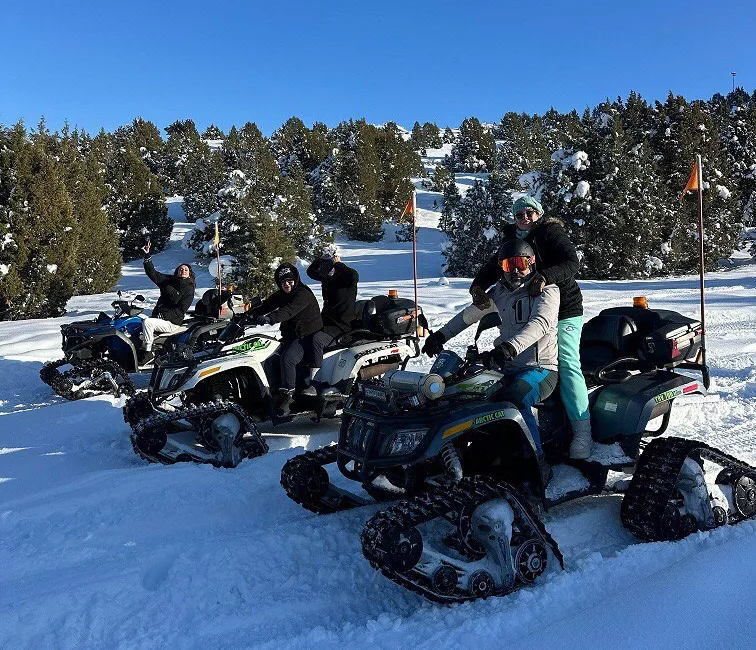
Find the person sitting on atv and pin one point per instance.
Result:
(176, 296)
(557, 263)
(296, 308)
(526, 348)
(339, 287)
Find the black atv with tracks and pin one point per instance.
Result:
(473, 482)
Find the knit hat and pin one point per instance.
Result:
(527, 202)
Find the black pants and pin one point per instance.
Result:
(308, 349)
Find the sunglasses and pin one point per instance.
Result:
(527, 212)
(521, 263)
(289, 281)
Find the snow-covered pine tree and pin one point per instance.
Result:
(735, 116)
(473, 227)
(441, 178)
(295, 145)
(204, 177)
(144, 136)
(398, 162)
(135, 202)
(347, 183)
(182, 138)
(98, 260)
(685, 130)
(522, 148)
(212, 132)
(38, 247)
(474, 149)
(448, 136)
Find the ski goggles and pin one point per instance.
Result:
(520, 262)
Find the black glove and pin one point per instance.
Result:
(263, 320)
(480, 298)
(325, 268)
(434, 344)
(503, 353)
(537, 284)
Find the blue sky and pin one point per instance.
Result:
(100, 64)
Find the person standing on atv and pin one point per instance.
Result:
(296, 308)
(176, 296)
(526, 348)
(557, 264)
(339, 287)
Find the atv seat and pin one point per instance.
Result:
(608, 345)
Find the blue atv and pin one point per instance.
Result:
(100, 353)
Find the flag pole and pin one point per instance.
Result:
(704, 368)
(414, 258)
(220, 277)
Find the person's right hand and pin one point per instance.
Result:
(480, 298)
(263, 320)
(146, 249)
(434, 344)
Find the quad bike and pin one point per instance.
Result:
(473, 481)
(100, 353)
(172, 421)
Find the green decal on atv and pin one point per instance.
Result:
(473, 387)
(252, 346)
(489, 417)
(670, 394)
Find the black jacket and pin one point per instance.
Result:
(176, 294)
(556, 260)
(339, 297)
(297, 311)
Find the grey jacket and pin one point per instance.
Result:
(528, 323)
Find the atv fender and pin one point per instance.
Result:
(127, 361)
(625, 408)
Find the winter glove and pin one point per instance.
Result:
(263, 320)
(434, 344)
(537, 284)
(503, 353)
(325, 267)
(480, 298)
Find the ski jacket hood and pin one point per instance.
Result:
(286, 271)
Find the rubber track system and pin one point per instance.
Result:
(448, 499)
(649, 499)
(160, 425)
(306, 481)
(65, 383)
(137, 408)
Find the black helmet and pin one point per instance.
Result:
(516, 254)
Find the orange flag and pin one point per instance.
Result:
(692, 182)
(408, 208)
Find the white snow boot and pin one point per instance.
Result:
(582, 441)
(311, 391)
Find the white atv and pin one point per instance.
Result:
(177, 418)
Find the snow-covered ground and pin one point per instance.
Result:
(98, 549)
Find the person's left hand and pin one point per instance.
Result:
(537, 284)
(503, 353)
(263, 320)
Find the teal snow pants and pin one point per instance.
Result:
(571, 381)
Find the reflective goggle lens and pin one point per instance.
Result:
(520, 262)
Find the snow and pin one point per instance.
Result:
(52, 268)
(723, 192)
(101, 550)
(4, 269)
(582, 189)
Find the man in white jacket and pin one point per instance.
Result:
(526, 348)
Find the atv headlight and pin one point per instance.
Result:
(173, 378)
(405, 441)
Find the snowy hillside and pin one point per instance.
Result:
(98, 549)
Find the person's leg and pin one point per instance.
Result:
(291, 355)
(151, 327)
(572, 386)
(314, 346)
(525, 389)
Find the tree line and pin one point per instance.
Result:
(614, 176)
(73, 206)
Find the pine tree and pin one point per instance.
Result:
(212, 132)
(37, 252)
(294, 144)
(205, 175)
(135, 203)
(474, 150)
(144, 136)
(182, 138)
(448, 137)
(440, 179)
